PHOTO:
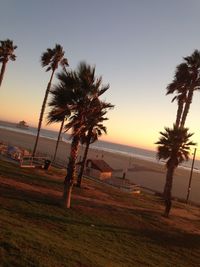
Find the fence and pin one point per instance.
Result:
(32, 162)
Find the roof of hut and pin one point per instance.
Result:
(100, 165)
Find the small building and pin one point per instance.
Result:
(98, 169)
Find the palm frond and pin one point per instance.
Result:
(7, 50)
(79, 91)
(52, 58)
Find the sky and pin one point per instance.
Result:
(134, 44)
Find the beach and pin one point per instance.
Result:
(145, 173)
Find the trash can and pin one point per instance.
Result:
(47, 164)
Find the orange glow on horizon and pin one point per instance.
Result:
(133, 141)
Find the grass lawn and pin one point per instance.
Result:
(104, 227)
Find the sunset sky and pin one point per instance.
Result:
(135, 45)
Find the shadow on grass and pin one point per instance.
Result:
(29, 176)
(28, 196)
(153, 236)
(162, 237)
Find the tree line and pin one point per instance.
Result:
(75, 103)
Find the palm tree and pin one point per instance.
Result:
(60, 109)
(179, 85)
(78, 90)
(94, 131)
(174, 147)
(6, 53)
(52, 117)
(193, 63)
(64, 103)
(186, 81)
(51, 59)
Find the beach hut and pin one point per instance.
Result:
(98, 169)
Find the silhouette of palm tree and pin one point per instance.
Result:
(51, 59)
(174, 147)
(95, 129)
(6, 53)
(76, 90)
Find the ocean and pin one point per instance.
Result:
(126, 150)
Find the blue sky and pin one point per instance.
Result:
(135, 46)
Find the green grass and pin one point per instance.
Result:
(35, 230)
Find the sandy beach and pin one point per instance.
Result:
(145, 173)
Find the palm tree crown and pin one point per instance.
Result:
(174, 143)
(51, 58)
(7, 49)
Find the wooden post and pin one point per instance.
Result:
(190, 180)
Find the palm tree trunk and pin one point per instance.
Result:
(79, 180)
(3, 68)
(58, 140)
(187, 106)
(168, 188)
(42, 113)
(179, 112)
(71, 172)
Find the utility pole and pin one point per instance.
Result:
(191, 172)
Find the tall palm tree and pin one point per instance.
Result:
(186, 81)
(95, 129)
(7, 49)
(79, 88)
(193, 63)
(174, 147)
(179, 85)
(51, 59)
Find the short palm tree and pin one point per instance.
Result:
(174, 147)
(7, 49)
(95, 129)
(52, 117)
(51, 59)
(79, 88)
(60, 109)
